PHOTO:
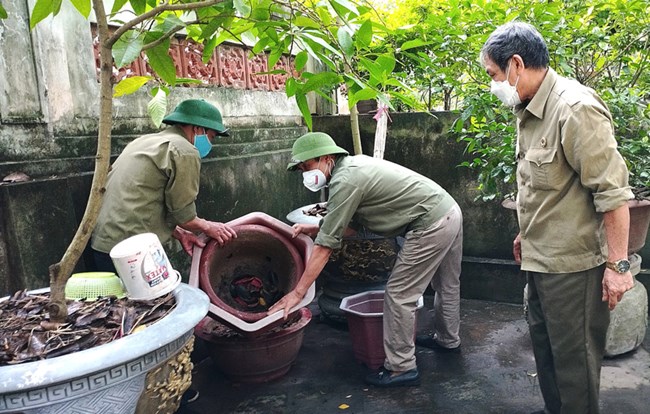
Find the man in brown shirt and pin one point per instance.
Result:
(573, 215)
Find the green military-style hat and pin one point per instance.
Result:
(197, 112)
(312, 145)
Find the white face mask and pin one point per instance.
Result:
(505, 91)
(314, 179)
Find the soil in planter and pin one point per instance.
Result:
(217, 330)
(27, 334)
(641, 193)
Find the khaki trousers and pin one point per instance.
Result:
(568, 324)
(433, 256)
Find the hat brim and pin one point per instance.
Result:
(315, 153)
(176, 118)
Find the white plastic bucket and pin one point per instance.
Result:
(143, 266)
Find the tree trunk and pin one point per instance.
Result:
(356, 135)
(60, 272)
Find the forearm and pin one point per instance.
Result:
(196, 225)
(617, 226)
(317, 261)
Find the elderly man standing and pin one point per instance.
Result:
(573, 215)
(389, 200)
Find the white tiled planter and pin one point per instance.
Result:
(115, 378)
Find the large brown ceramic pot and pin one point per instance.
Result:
(639, 223)
(258, 251)
(254, 359)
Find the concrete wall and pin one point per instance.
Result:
(247, 173)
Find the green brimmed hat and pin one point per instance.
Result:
(197, 112)
(313, 145)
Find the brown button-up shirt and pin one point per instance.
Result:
(569, 172)
(151, 188)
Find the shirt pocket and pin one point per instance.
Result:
(544, 168)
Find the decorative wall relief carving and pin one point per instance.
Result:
(258, 64)
(277, 82)
(230, 66)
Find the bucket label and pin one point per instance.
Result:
(154, 268)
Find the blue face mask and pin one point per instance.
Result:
(202, 143)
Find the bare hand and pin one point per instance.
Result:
(290, 300)
(516, 248)
(188, 239)
(220, 232)
(615, 285)
(310, 230)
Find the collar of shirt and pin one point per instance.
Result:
(537, 105)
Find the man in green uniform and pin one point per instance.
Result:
(153, 184)
(573, 215)
(388, 200)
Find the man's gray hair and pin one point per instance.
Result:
(516, 38)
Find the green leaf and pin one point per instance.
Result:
(345, 40)
(363, 37)
(208, 49)
(272, 33)
(325, 16)
(157, 106)
(3, 12)
(322, 42)
(410, 44)
(341, 6)
(83, 6)
(302, 21)
(386, 63)
(274, 57)
(117, 5)
(42, 9)
(372, 67)
(321, 80)
(301, 60)
(291, 87)
(162, 63)
(260, 45)
(130, 85)
(242, 8)
(261, 13)
(307, 48)
(361, 95)
(127, 48)
(301, 100)
(139, 6)
(189, 81)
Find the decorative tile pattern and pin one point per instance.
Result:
(106, 392)
(230, 66)
(192, 60)
(277, 82)
(258, 64)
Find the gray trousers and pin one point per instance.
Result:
(568, 324)
(428, 256)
